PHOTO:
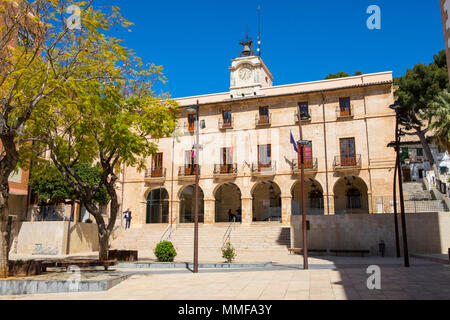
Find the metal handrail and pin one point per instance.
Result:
(227, 235)
(170, 230)
(150, 173)
(348, 161)
(272, 169)
(266, 121)
(226, 125)
(218, 170)
(295, 166)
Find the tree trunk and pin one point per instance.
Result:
(103, 245)
(4, 254)
(428, 153)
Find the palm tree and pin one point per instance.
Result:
(439, 113)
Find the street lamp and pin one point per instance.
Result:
(398, 119)
(195, 110)
(301, 144)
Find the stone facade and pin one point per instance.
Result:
(267, 181)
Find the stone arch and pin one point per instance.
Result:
(228, 196)
(351, 195)
(187, 204)
(157, 210)
(314, 197)
(266, 198)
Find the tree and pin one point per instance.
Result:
(416, 90)
(439, 113)
(111, 117)
(39, 54)
(48, 184)
(342, 74)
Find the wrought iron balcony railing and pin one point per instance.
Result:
(155, 173)
(343, 162)
(263, 120)
(188, 170)
(226, 123)
(225, 169)
(311, 164)
(305, 118)
(264, 168)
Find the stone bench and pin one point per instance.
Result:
(79, 263)
(362, 252)
(300, 250)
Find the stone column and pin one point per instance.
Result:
(247, 211)
(209, 206)
(174, 211)
(329, 203)
(286, 210)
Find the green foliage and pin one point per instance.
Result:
(48, 183)
(228, 252)
(342, 74)
(439, 112)
(418, 88)
(165, 251)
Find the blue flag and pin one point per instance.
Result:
(294, 143)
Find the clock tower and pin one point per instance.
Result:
(248, 72)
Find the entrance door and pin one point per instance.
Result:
(308, 156)
(348, 153)
(157, 165)
(226, 161)
(189, 168)
(264, 157)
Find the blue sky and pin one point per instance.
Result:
(195, 41)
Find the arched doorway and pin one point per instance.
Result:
(158, 206)
(314, 197)
(266, 202)
(187, 205)
(228, 197)
(351, 196)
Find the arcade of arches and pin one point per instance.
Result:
(265, 202)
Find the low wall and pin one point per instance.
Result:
(427, 232)
(51, 238)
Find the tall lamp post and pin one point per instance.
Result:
(301, 161)
(195, 110)
(396, 107)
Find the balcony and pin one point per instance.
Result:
(226, 124)
(343, 163)
(309, 166)
(188, 171)
(260, 169)
(306, 119)
(155, 175)
(262, 121)
(225, 170)
(188, 128)
(344, 114)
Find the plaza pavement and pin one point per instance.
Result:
(329, 278)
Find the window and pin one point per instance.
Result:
(264, 115)
(345, 107)
(264, 156)
(303, 108)
(189, 161)
(226, 160)
(307, 155)
(348, 154)
(353, 199)
(191, 122)
(419, 152)
(226, 116)
(157, 165)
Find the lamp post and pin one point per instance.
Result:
(301, 144)
(396, 107)
(195, 110)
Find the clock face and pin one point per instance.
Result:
(245, 73)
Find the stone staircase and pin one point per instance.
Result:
(255, 237)
(418, 199)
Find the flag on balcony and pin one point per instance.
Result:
(294, 143)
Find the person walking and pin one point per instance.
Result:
(127, 215)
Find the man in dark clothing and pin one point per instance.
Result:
(127, 215)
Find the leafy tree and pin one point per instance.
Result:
(439, 113)
(111, 117)
(342, 74)
(416, 90)
(39, 54)
(47, 183)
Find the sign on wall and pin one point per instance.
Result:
(445, 11)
